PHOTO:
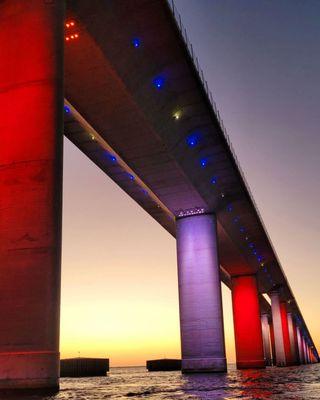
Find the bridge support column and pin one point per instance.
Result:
(304, 350)
(31, 103)
(201, 318)
(277, 329)
(300, 345)
(247, 323)
(292, 339)
(285, 333)
(307, 351)
(266, 339)
(273, 345)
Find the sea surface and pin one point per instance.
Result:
(292, 383)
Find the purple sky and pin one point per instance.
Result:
(262, 62)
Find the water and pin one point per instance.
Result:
(293, 383)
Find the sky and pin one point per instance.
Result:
(261, 59)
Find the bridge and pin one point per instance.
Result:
(120, 79)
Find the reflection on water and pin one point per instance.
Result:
(293, 383)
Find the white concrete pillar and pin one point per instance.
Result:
(300, 346)
(292, 339)
(277, 328)
(266, 338)
(201, 318)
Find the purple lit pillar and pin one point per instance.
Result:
(300, 346)
(201, 318)
(305, 350)
(291, 339)
(277, 327)
(266, 338)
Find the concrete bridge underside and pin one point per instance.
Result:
(136, 105)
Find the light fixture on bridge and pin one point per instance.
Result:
(66, 109)
(131, 177)
(158, 82)
(203, 162)
(193, 139)
(112, 158)
(72, 37)
(136, 42)
(70, 24)
(177, 115)
(214, 180)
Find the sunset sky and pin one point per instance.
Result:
(119, 276)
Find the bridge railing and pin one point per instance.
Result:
(189, 47)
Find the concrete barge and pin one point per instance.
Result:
(164, 364)
(82, 367)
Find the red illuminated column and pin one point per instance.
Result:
(266, 338)
(292, 339)
(247, 323)
(277, 329)
(285, 332)
(201, 318)
(31, 104)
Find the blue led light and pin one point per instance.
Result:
(214, 180)
(158, 82)
(203, 162)
(145, 192)
(260, 258)
(251, 245)
(112, 158)
(254, 252)
(236, 220)
(66, 109)
(242, 230)
(136, 42)
(192, 140)
(229, 208)
(131, 177)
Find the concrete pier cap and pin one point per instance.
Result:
(200, 302)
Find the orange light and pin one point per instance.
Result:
(67, 25)
(67, 38)
(72, 37)
(76, 35)
(72, 23)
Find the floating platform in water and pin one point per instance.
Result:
(77, 367)
(164, 364)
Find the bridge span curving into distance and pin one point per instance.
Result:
(120, 79)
